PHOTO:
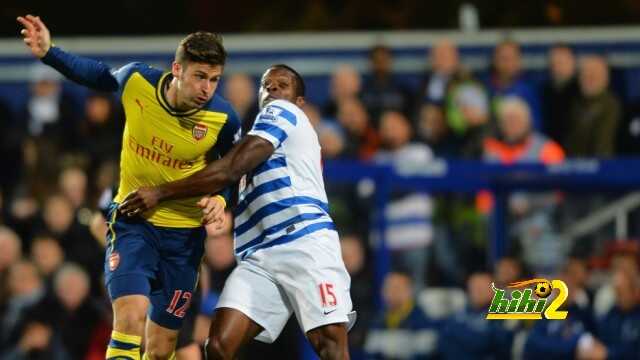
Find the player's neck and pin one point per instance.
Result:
(171, 95)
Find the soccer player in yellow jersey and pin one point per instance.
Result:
(174, 123)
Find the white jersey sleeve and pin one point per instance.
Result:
(274, 124)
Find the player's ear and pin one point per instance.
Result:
(176, 69)
(300, 101)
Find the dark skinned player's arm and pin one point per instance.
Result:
(250, 152)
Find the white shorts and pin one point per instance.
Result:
(306, 277)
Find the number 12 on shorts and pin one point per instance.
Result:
(179, 312)
(327, 296)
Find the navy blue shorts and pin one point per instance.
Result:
(158, 262)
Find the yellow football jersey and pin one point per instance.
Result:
(160, 144)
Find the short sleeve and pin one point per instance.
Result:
(274, 124)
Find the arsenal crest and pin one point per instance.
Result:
(199, 131)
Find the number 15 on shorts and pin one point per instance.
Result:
(327, 295)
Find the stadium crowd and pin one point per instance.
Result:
(61, 161)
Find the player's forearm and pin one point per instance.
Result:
(211, 179)
(84, 71)
(243, 157)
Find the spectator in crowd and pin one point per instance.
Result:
(622, 259)
(345, 84)
(10, 253)
(594, 116)
(507, 79)
(432, 129)
(467, 113)
(48, 119)
(362, 139)
(69, 321)
(332, 140)
(73, 183)
(620, 328)
(240, 91)
(445, 64)
(47, 255)
(355, 260)
(401, 330)
(25, 290)
(507, 270)
(409, 213)
(571, 338)
(381, 92)
(61, 221)
(100, 132)
(518, 142)
(313, 113)
(467, 334)
(559, 91)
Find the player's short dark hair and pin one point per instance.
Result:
(202, 47)
(300, 86)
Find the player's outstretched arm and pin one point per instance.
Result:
(84, 71)
(243, 157)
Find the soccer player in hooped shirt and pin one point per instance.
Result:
(174, 123)
(288, 251)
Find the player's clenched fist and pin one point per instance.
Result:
(36, 35)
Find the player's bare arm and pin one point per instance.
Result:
(243, 157)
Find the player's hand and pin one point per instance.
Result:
(212, 211)
(35, 35)
(139, 201)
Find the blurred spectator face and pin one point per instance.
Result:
(432, 125)
(98, 109)
(240, 90)
(71, 286)
(45, 88)
(576, 270)
(515, 121)
(594, 75)
(444, 57)
(479, 290)
(395, 130)
(45, 81)
(626, 289)
(345, 82)
(312, 113)
(352, 254)
(47, 255)
(626, 262)
(562, 64)
(58, 214)
(381, 60)
(24, 279)
(73, 184)
(507, 270)
(331, 141)
(473, 103)
(353, 116)
(507, 60)
(397, 291)
(219, 249)
(10, 247)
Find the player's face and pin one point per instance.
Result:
(278, 84)
(197, 82)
